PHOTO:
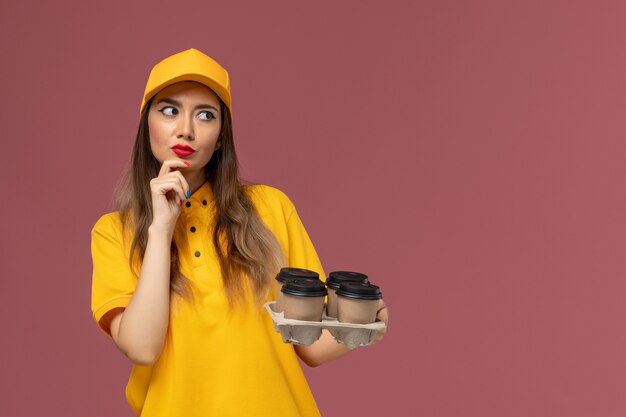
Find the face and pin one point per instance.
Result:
(184, 123)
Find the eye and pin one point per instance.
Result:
(206, 115)
(169, 111)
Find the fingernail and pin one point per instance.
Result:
(180, 203)
(186, 163)
(188, 194)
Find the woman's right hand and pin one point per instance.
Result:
(140, 330)
(168, 190)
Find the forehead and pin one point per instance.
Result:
(190, 90)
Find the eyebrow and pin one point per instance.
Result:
(179, 104)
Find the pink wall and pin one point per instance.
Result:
(469, 158)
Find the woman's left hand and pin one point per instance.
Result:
(383, 315)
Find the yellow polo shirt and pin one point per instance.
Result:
(214, 362)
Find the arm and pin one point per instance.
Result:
(300, 253)
(139, 330)
(326, 349)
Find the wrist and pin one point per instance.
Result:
(158, 229)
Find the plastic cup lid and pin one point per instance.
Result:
(337, 277)
(287, 274)
(359, 291)
(304, 288)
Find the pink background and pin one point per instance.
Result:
(468, 156)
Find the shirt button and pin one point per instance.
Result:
(193, 229)
(188, 204)
(197, 254)
(204, 202)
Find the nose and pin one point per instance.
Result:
(185, 128)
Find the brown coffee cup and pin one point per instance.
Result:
(333, 282)
(289, 274)
(358, 302)
(303, 299)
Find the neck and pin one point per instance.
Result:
(195, 180)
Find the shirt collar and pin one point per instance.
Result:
(203, 196)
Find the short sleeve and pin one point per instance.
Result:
(300, 250)
(113, 282)
(280, 215)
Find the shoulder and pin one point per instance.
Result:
(109, 235)
(260, 191)
(109, 224)
(270, 200)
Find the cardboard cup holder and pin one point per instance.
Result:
(300, 332)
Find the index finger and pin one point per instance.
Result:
(169, 165)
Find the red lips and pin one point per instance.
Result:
(183, 150)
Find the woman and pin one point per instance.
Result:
(182, 268)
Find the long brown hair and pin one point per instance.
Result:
(246, 248)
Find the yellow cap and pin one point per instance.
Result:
(189, 65)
